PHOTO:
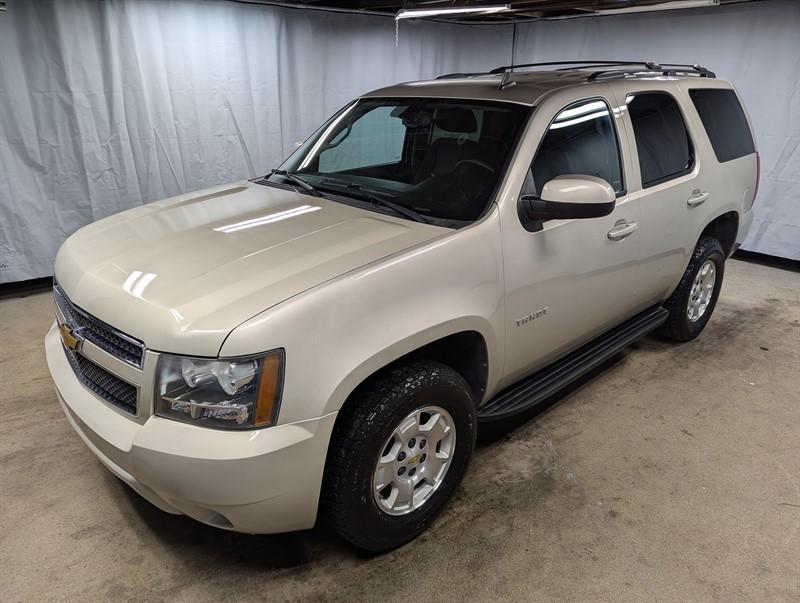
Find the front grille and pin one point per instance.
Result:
(104, 336)
(111, 388)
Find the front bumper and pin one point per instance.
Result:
(260, 481)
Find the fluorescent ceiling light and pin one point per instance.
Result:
(421, 13)
(670, 5)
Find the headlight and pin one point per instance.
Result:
(229, 393)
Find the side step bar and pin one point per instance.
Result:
(536, 388)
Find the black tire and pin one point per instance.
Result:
(678, 327)
(362, 428)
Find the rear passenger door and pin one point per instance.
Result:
(667, 181)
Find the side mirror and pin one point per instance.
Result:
(567, 197)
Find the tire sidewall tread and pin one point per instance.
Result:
(363, 426)
(678, 327)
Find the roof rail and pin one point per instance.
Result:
(565, 64)
(449, 76)
(569, 64)
(667, 69)
(606, 70)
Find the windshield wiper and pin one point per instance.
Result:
(376, 199)
(298, 181)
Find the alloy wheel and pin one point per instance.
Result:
(414, 460)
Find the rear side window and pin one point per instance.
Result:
(665, 150)
(580, 140)
(724, 120)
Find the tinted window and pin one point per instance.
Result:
(581, 140)
(441, 158)
(724, 121)
(375, 138)
(665, 150)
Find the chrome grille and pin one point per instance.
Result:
(104, 336)
(111, 388)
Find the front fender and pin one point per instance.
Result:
(383, 358)
(339, 333)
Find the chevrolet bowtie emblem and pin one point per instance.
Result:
(71, 337)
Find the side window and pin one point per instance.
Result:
(580, 140)
(724, 120)
(665, 150)
(376, 138)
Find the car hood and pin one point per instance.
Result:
(180, 274)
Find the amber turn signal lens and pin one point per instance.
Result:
(268, 390)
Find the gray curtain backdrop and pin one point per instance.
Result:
(756, 46)
(105, 105)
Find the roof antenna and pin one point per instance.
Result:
(506, 82)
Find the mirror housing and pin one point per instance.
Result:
(567, 197)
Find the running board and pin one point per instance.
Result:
(536, 388)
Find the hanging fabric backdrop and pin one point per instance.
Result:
(755, 45)
(105, 105)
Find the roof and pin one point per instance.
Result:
(527, 90)
(527, 87)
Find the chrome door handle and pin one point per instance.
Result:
(697, 198)
(622, 230)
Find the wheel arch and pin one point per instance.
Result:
(465, 347)
(724, 228)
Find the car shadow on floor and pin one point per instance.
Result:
(202, 546)
(489, 433)
(199, 545)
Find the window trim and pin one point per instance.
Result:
(689, 138)
(624, 190)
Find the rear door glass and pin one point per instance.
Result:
(725, 122)
(662, 140)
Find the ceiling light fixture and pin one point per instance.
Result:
(422, 13)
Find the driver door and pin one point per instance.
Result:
(573, 279)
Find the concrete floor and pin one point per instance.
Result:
(672, 474)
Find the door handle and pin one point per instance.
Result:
(697, 198)
(622, 230)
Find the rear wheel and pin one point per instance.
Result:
(399, 449)
(693, 301)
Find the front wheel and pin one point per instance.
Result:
(399, 449)
(695, 297)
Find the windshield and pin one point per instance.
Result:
(441, 158)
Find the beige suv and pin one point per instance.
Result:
(326, 340)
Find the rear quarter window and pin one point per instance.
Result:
(725, 122)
